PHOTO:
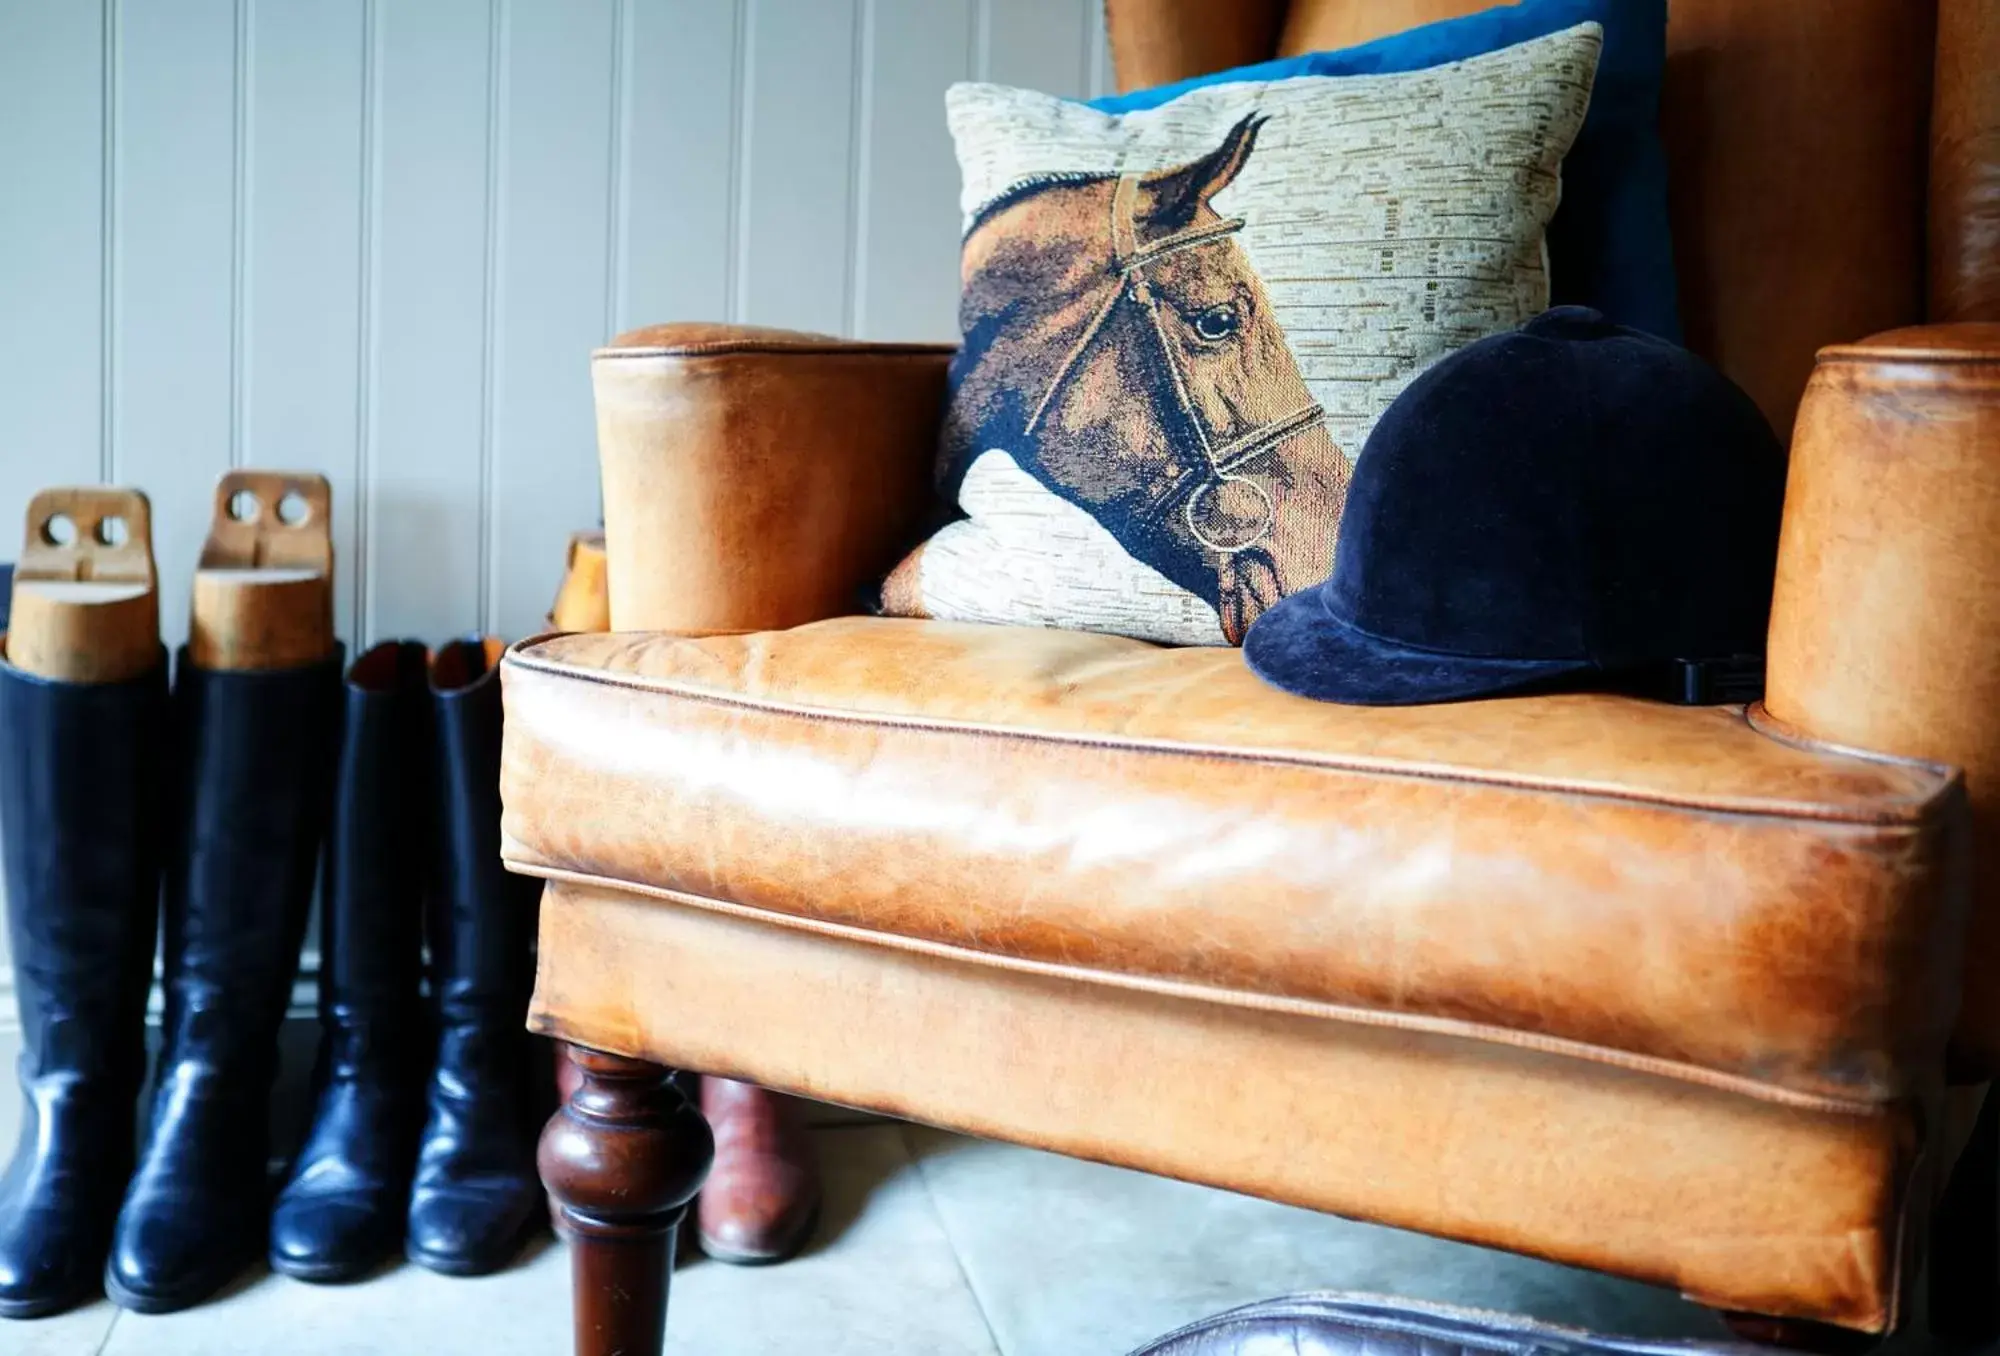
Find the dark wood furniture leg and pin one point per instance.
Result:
(1965, 1239)
(621, 1160)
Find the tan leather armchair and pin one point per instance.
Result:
(1670, 992)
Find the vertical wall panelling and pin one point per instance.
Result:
(434, 72)
(795, 258)
(52, 251)
(555, 198)
(176, 235)
(301, 259)
(906, 247)
(1043, 44)
(677, 152)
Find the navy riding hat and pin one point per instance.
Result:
(1567, 502)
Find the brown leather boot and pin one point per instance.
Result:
(762, 1196)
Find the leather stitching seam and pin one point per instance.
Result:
(1914, 814)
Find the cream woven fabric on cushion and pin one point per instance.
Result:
(1181, 324)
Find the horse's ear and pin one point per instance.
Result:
(1178, 194)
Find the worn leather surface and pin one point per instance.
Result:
(1795, 137)
(341, 1210)
(253, 775)
(80, 812)
(1741, 1203)
(1965, 164)
(1332, 1324)
(475, 1193)
(1635, 883)
(1885, 625)
(763, 1193)
(759, 477)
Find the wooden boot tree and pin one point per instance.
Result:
(86, 603)
(263, 591)
(583, 603)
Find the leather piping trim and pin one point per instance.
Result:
(1911, 815)
(831, 348)
(1785, 732)
(1486, 1033)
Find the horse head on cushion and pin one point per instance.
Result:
(1121, 347)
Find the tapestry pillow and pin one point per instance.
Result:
(1611, 245)
(1180, 325)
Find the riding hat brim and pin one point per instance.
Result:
(1303, 647)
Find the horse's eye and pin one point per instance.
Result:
(1216, 323)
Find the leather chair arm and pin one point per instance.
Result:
(758, 479)
(1885, 624)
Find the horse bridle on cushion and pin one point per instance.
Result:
(1222, 463)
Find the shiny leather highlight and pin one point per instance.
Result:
(1111, 811)
(254, 757)
(342, 1208)
(80, 828)
(1885, 625)
(475, 1195)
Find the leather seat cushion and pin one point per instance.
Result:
(1685, 891)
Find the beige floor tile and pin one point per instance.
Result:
(1069, 1258)
(80, 1332)
(880, 1278)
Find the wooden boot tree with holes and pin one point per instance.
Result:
(86, 603)
(263, 591)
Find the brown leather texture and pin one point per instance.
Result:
(759, 478)
(1885, 624)
(1628, 882)
(1156, 42)
(1965, 163)
(1739, 1203)
(1795, 135)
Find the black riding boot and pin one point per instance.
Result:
(80, 791)
(476, 1193)
(342, 1209)
(254, 769)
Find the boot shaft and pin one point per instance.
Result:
(253, 767)
(482, 918)
(81, 781)
(377, 845)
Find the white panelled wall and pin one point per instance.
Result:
(379, 238)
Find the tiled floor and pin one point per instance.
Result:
(931, 1244)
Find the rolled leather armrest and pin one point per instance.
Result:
(757, 479)
(1885, 624)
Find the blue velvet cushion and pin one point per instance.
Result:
(1610, 246)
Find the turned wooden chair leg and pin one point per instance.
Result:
(621, 1160)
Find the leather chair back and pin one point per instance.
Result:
(1796, 135)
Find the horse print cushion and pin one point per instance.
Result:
(1181, 324)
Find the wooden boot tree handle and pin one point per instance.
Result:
(86, 605)
(263, 591)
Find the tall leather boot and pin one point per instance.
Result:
(254, 753)
(476, 1195)
(80, 791)
(762, 1196)
(342, 1209)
